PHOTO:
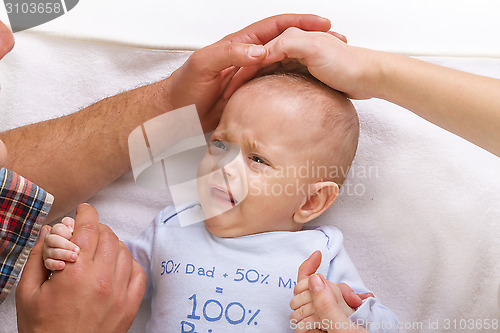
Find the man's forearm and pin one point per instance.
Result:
(74, 156)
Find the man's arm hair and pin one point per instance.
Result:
(74, 156)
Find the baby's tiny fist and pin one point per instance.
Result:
(69, 222)
(57, 249)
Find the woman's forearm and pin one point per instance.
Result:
(463, 103)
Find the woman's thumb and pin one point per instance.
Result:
(327, 308)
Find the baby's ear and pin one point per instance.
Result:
(321, 196)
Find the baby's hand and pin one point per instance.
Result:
(302, 303)
(57, 249)
(303, 307)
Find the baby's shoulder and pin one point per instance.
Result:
(331, 238)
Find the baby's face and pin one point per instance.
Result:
(262, 191)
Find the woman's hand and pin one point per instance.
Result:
(305, 306)
(325, 54)
(462, 103)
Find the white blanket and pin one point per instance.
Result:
(419, 212)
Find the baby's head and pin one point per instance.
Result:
(297, 139)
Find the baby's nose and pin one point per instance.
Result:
(230, 170)
(228, 159)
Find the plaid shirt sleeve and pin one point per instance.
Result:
(23, 209)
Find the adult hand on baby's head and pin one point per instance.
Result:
(100, 292)
(203, 79)
(325, 54)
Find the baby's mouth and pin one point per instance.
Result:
(221, 194)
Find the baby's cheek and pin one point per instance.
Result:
(257, 187)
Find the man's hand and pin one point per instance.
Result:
(101, 292)
(6, 40)
(206, 74)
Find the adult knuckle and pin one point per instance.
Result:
(316, 45)
(103, 288)
(90, 227)
(197, 59)
(107, 235)
(291, 31)
(129, 313)
(230, 49)
(124, 249)
(78, 274)
(141, 273)
(120, 298)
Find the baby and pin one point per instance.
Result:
(296, 139)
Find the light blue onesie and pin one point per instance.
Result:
(202, 283)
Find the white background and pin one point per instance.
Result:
(417, 27)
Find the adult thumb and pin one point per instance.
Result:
(324, 299)
(219, 56)
(34, 272)
(327, 308)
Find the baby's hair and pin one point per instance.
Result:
(338, 141)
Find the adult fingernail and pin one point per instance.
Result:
(316, 284)
(256, 51)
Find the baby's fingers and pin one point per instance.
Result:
(61, 230)
(301, 286)
(302, 312)
(54, 265)
(69, 222)
(59, 254)
(311, 324)
(301, 299)
(59, 242)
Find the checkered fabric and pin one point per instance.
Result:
(23, 208)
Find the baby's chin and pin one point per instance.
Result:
(220, 226)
